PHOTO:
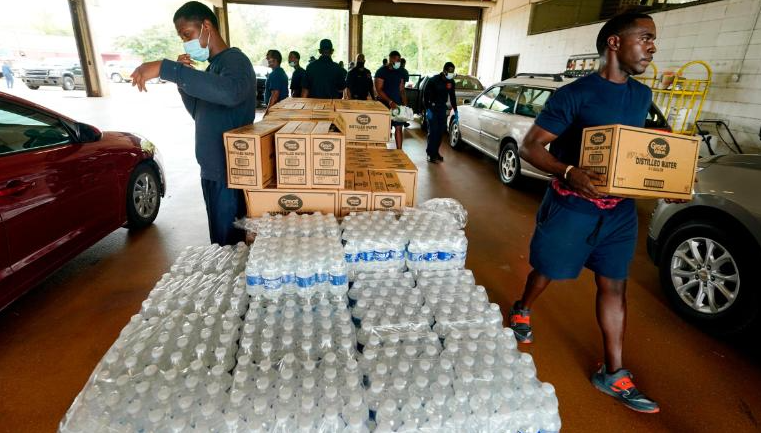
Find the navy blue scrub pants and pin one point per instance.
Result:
(436, 126)
(223, 207)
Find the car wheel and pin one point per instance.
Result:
(455, 140)
(143, 197)
(705, 272)
(509, 164)
(68, 83)
(116, 78)
(32, 87)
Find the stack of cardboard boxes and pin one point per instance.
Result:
(298, 160)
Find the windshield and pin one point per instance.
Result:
(464, 82)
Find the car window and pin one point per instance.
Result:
(412, 83)
(485, 100)
(531, 101)
(23, 128)
(505, 101)
(463, 82)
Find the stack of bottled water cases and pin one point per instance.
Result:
(295, 225)
(305, 269)
(297, 369)
(435, 241)
(374, 241)
(169, 368)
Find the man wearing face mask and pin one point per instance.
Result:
(221, 98)
(438, 91)
(276, 86)
(324, 78)
(299, 74)
(389, 83)
(359, 83)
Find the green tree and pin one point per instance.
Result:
(154, 43)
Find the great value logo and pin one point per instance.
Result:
(291, 145)
(327, 146)
(363, 119)
(597, 138)
(354, 201)
(241, 145)
(290, 202)
(387, 202)
(658, 148)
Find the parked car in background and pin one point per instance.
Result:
(496, 121)
(66, 74)
(707, 249)
(121, 72)
(466, 89)
(64, 185)
(261, 81)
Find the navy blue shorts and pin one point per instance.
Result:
(572, 233)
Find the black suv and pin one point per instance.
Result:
(67, 75)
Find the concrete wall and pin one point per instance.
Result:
(726, 34)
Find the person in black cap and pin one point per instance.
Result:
(324, 79)
(359, 81)
(438, 92)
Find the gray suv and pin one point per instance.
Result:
(706, 249)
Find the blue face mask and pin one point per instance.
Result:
(397, 65)
(195, 50)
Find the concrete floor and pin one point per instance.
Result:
(52, 337)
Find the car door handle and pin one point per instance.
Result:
(15, 187)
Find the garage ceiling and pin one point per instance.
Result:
(441, 9)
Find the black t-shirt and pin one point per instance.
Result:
(392, 79)
(324, 79)
(437, 91)
(359, 82)
(297, 81)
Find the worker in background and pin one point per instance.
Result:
(340, 94)
(276, 86)
(220, 98)
(389, 83)
(576, 225)
(438, 92)
(385, 62)
(324, 78)
(359, 82)
(8, 75)
(299, 74)
(404, 71)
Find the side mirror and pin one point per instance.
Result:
(88, 133)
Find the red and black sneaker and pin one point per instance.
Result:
(520, 323)
(620, 386)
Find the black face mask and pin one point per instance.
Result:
(360, 64)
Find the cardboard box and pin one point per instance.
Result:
(363, 120)
(250, 153)
(356, 144)
(328, 157)
(294, 142)
(386, 160)
(388, 193)
(373, 145)
(282, 201)
(638, 162)
(304, 104)
(294, 115)
(356, 197)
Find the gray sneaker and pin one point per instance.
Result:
(520, 323)
(620, 386)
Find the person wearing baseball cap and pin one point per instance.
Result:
(324, 78)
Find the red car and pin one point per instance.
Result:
(65, 185)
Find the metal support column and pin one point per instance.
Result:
(89, 57)
(355, 35)
(224, 26)
(477, 45)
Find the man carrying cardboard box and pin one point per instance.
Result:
(221, 98)
(576, 226)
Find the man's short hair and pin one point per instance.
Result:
(394, 54)
(448, 65)
(196, 11)
(616, 26)
(295, 54)
(275, 54)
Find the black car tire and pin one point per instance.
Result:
(68, 83)
(509, 164)
(32, 87)
(116, 78)
(143, 197)
(745, 308)
(455, 139)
